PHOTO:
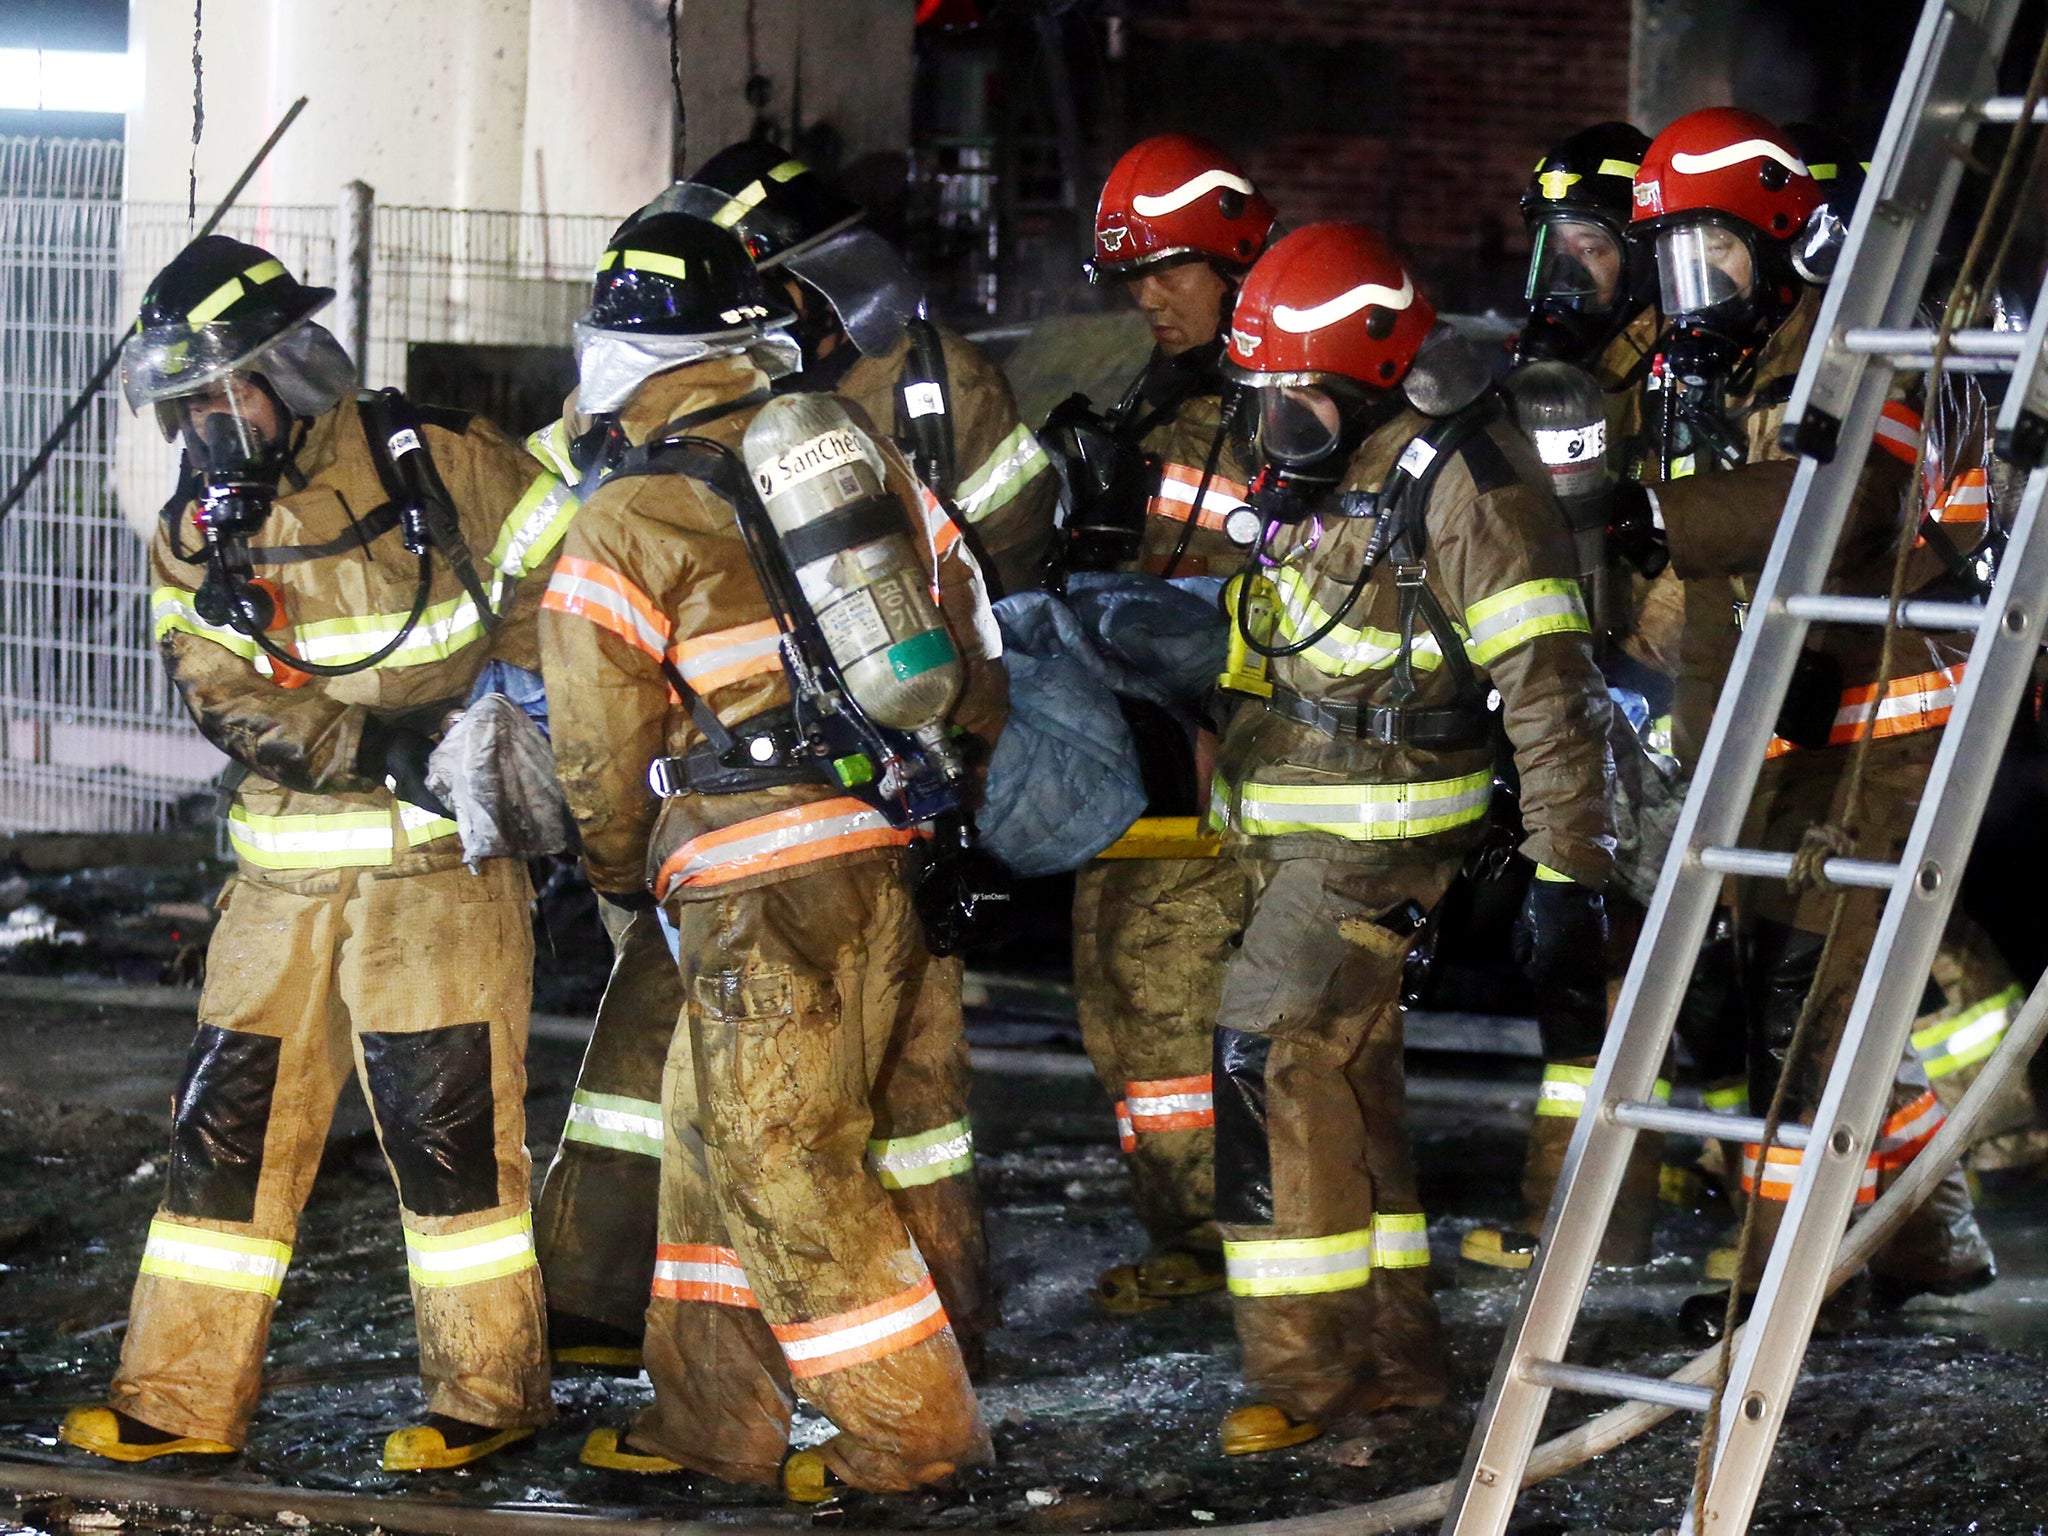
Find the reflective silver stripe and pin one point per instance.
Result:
(1014, 461)
(1365, 811)
(1304, 1266)
(612, 1120)
(908, 1162)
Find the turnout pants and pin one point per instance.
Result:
(595, 1224)
(420, 984)
(1324, 1240)
(1150, 940)
(783, 1265)
(1941, 1241)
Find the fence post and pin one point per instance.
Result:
(352, 271)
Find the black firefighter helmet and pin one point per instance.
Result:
(1587, 279)
(675, 274)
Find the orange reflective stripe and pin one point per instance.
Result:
(725, 656)
(1175, 498)
(1126, 1134)
(1782, 1167)
(1968, 499)
(600, 594)
(1919, 703)
(1907, 1132)
(779, 840)
(700, 1272)
(1898, 431)
(1171, 1104)
(866, 1333)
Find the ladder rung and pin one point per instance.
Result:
(1776, 866)
(2006, 109)
(1917, 344)
(1633, 1389)
(1877, 610)
(1647, 1116)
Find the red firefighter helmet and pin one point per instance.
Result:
(1329, 299)
(1177, 195)
(1726, 161)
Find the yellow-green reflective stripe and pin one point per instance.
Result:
(615, 1121)
(788, 171)
(1564, 1090)
(1612, 167)
(1733, 1100)
(217, 301)
(1499, 623)
(1301, 1266)
(342, 838)
(443, 629)
(171, 609)
(423, 826)
(1969, 1037)
(905, 1162)
(534, 527)
(203, 1257)
(1400, 1242)
(463, 1258)
(655, 261)
(1005, 472)
(551, 446)
(606, 262)
(1365, 812)
(1345, 651)
(1554, 877)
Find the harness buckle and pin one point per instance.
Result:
(667, 777)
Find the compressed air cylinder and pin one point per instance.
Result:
(849, 541)
(1563, 412)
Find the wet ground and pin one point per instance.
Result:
(1931, 1420)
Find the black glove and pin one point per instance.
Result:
(1559, 942)
(396, 756)
(1632, 530)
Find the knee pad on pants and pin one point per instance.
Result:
(1244, 1155)
(219, 1122)
(431, 1090)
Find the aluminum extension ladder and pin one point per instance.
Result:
(1866, 331)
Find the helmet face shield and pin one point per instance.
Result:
(869, 288)
(1704, 268)
(1578, 264)
(163, 362)
(1297, 424)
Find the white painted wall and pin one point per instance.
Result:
(447, 102)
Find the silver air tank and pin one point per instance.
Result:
(849, 541)
(1563, 412)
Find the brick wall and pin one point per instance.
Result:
(1424, 119)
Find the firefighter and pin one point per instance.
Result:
(1592, 304)
(860, 320)
(782, 1264)
(1724, 196)
(331, 577)
(1178, 225)
(1416, 565)
(595, 1222)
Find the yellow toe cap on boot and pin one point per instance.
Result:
(806, 1479)
(1263, 1427)
(97, 1430)
(1121, 1292)
(1493, 1247)
(423, 1448)
(606, 1447)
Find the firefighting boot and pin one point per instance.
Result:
(584, 1341)
(807, 1479)
(1939, 1251)
(443, 1442)
(112, 1434)
(606, 1447)
(1263, 1427)
(1628, 1229)
(1174, 1274)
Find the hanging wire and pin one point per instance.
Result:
(198, 116)
(675, 76)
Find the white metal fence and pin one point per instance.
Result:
(92, 737)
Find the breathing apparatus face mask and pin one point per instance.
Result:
(1707, 281)
(1297, 432)
(235, 435)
